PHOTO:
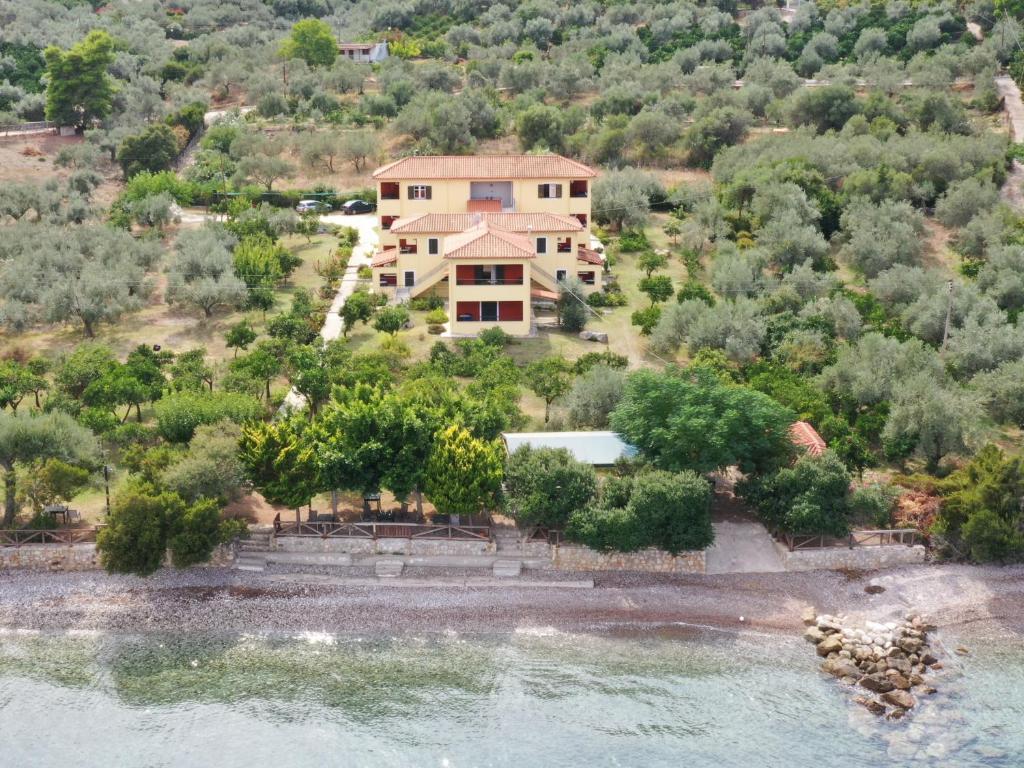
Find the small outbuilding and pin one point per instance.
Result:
(364, 53)
(599, 449)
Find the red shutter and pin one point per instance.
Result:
(510, 310)
(464, 274)
(513, 272)
(467, 309)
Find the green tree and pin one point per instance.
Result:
(391, 319)
(357, 308)
(464, 473)
(312, 41)
(239, 336)
(544, 486)
(179, 414)
(25, 438)
(658, 288)
(210, 468)
(650, 262)
(51, 481)
(549, 378)
(139, 526)
(573, 312)
(699, 423)
(811, 497)
(673, 510)
(196, 532)
(16, 381)
(153, 150)
(79, 88)
(280, 460)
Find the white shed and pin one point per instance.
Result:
(599, 449)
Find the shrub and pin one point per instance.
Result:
(494, 337)
(874, 504)
(633, 240)
(178, 414)
(673, 510)
(427, 304)
(544, 486)
(990, 538)
(605, 529)
(436, 317)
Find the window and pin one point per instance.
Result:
(489, 311)
(578, 188)
(542, 245)
(388, 280)
(510, 310)
(388, 190)
(587, 278)
(432, 246)
(565, 246)
(560, 275)
(549, 191)
(409, 278)
(419, 192)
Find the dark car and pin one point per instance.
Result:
(357, 206)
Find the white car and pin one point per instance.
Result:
(312, 206)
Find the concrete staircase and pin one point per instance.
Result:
(251, 553)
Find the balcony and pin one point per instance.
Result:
(490, 205)
(578, 189)
(389, 191)
(486, 281)
(565, 246)
(407, 249)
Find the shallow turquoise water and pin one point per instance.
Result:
(527, 699)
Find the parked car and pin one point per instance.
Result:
(357, 206)
(312, 206)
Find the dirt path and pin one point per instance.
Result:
(1013, 189)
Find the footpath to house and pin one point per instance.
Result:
(1013, 189)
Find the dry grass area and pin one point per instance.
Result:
(174, 328)
(31, 159)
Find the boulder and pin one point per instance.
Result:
(831, 644)
(840, 667)
(828, 624)
(813, 635)
(911, 644)
(927, 657)
(877, 683)
(871, 705)
(896, 714)
(900, 665)
(898, 698)
(594, 336)
(809, 616)
(898, 680)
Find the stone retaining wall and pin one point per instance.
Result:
(81, 557)
(576, 558)
(50, 557)
(362, 546)
(856, 558)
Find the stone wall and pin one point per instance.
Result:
(577, 558)
(81, 557)
(856, 558)
(354, 546)
(50, 557)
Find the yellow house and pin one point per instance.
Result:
(518, 223)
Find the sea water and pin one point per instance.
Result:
(524, 699)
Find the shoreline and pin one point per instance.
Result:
(963, 601)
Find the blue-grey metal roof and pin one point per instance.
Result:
(600, 449)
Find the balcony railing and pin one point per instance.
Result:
(487, 281)
(407, 249)
(565, 247)
(577, 194)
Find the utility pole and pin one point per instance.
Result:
(949, 312)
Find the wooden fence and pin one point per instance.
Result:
(384, 531)
(907, 537)
(16, 537)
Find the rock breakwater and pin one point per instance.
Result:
(885, 664)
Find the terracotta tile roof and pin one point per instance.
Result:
(589, 256)
(485, 242)
(385, 258)
(450, 223)
(484, 167)
(805, 436)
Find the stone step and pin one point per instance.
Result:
(250, 562)
(388, 569)
(340, 559)
(253, 546)
(507, 568)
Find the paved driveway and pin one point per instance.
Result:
(742, 544)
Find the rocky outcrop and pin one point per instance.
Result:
(890, 660)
